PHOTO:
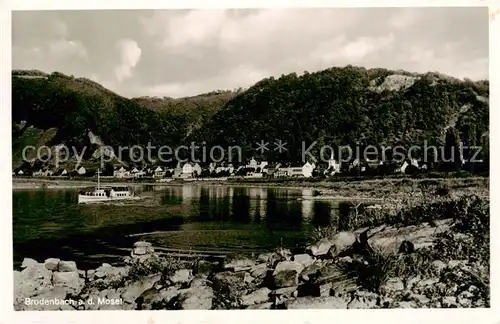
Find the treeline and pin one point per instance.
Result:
(339, 106)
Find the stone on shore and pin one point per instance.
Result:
(257, 297)
(321, 247)
(287, 274)
(239, 265)
(333, 245)
(304, 259)
(264, 257)
(57, 294)
(182, 276)
(52, 264)
(28, 262)
(142, 248)
(392, 285)
(71, 281)
(420, 236)
(67, 266)
(259, 271)
(135, 289)
(341, 242)
(196, 298)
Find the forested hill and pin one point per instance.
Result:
(51, 109)
(345, 106)
(337, 106)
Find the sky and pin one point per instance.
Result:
(176, 53)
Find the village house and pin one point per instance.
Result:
(187, 170)
(305, 171)
(61, 173)
(137, 174)
(38, 173)
(333, 166)
(403, 168)
(270, 169)
(81, 170)
(230, 168)
(253, 163)
(122, 173)
(158, 172)
(47, 173)
(196, 170)
(212, 166)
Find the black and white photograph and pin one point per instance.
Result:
(258, 159)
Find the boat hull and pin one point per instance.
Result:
(82, 199)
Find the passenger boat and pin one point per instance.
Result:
(106, 193)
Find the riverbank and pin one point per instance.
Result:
(390, 188)
(434, 254)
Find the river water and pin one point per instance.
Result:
(205, 219)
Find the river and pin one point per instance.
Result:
(206, 219)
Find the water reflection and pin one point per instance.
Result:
(211, 217)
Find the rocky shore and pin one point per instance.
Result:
(430, 265)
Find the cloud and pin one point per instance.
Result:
(63, 48)
(186, 52)
(130, 54)
(241, 76)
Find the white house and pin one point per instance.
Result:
(136, 173)
(64, 172)
(187, 170)
(281, 172)
(121, 173)
(20, 172)
(402, 168)
(253, 163)
(81, 170)
(196, 169)
(307, 170)
(158, 172)
(38, 173)
(333, 166)
(253, 174)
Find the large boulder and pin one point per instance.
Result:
(28, 262)
(34, 279)
(70, 281)
(52, 264)
(153, 299)
(182, 276)
(54, 299)
(135, 289)
(67, 266)
(287, 274)
(304, 259)
(390, 238)
(321, 247)
(228, 287)
(259, 271)
(198, 297)
(333, 245)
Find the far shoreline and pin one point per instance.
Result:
(341, 188)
